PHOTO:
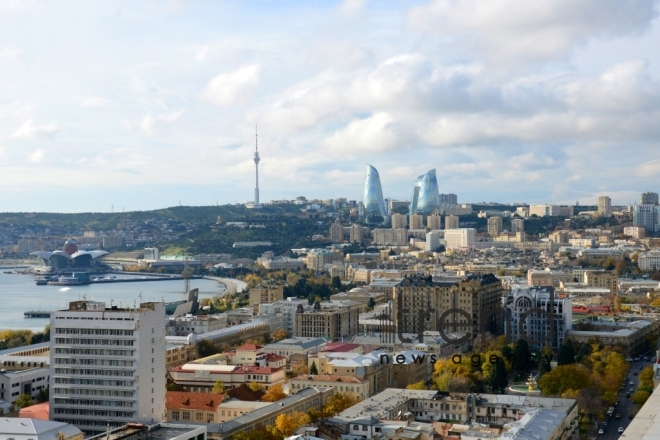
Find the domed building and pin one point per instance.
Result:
(70, 257)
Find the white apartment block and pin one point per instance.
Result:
(287, 307)
(107, 365)
(15, 383)
(460, 238)
(649, 260)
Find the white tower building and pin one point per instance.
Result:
(256, 163)
(107, 365)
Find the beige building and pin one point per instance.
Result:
(399, 221)
(517, 225)
(604, 206)
(475, 295)
(390, 237)
(494, 226)
(186, 407)
(559, 237)
(451, 222)
(434, 222)
(358, 233)
(318, 258)
(330, 321)
(605, 279)
(409, 367)
(462, 238)
(337, 232)
(231, 409)
(416, 221)
(635, 232)
(268, 292)
(340, 384)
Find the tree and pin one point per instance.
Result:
(590, 403)
(338, 403)
(460, 384)
(206, 348)
(43, 395)
(572, 377)
(288, 424)
(299, 368)
(313, 370)
(24, 400)
(417, 386)
(521, 356)
(499, 380)
(274, 393)
(254, 386)
(219, 387)
(640, 397)
(566, 353)
(544, 366)
(279, 334)
(372, 303)
(646, 378)
(292, 279)
(336, 283)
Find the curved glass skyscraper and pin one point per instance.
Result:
(426, 197)
(373, 200)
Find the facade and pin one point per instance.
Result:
(184, 325)
(432, 241)
(460, 238)
(434, 222)
(448, 199)
(451, 222)
(15, 383)
(151, 253)
(635, 232)
(604, 206)
(517, 225)
(475, 296)
(416, 221)
(340, 384)
(425, 196)
(318, 258)
(408, 367)
(337, 232)
(329, 321)
(604, 279)
(192, 407)
(358, 233)
(267, 292)
(399, 221)
(107, 365)
(537, 326)
(649, 198)
(373, 200)
(494, 226)
(295, 346)
(646, 215)
(649, 261)
(390, 237)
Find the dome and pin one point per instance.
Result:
(317, 305)
(300, 309)
(357, 290)
(192, 338)
(70, 247)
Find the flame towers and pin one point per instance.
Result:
(426, 197)
(373, 200)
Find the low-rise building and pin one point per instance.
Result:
(15, 383)
(330, 321)
(295, 346)
(340, 384)
(32, 429)
(192, 407)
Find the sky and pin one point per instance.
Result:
(138, 105)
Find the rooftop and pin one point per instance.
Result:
(198, 401)
(329, 378)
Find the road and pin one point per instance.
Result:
(625, 406)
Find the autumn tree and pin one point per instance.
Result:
(646, 378)
(640, 397)
(288, 424)
(279, 334)
(219, 387)
(274, 393)
(254, 386)
(338, 403)
(300, 368)
(417, 386)
(564, 378)
(590, 404)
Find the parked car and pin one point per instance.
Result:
(601, 432)
(620, 430)
(617, 416)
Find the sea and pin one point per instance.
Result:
(19, 294)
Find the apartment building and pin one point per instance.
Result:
(330, 321)
(268, 292)
(370, 367)
(337, 232)
(107, 365)
(494, 226)
(604, 279)
(434, 222)
(475, 296)
(399, 221)
(416, 221)
(390, 237)
(463, 238)
(451, 222)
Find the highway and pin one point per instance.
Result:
(625, 406)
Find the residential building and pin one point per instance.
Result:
(649, 261)
(649, 198)
(269, 261)
(432, 241)
(340, 384)
(540, 278)
(371, 367)
(184, 325)
(476, 296)
(604, 206)
(451, 222)
(239, 316)
(328, 320)
(337, 232)
(448, 199)
(635, 232)
(416, 221)
(151, 253)
(107, 365)
(517, 225)
(267, 292)
(399, 221)
(494, 226)
(32, 429)
(390, 237)
(434, 222)
(408, 367)
(462, 238)
(318, 258)
(395, 205)
(373, 200)
(358, 233)
(646, 216)
(631, 334)
(538, 327)
(425, 197)
(232, 408)
(296, 346)
(559, 237)
(605, 279)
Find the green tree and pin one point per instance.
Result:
(336, 283)
(313, 370)
(24, 400)
(206, 348)
(521, 356)
(219, 387)
(43, 395)
(372, 303)
(499, 380)
(566, 353)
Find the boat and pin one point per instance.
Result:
(42, 281)
(65, 281)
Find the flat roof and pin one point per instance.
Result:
(646, 424)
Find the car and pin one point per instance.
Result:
(632, 383)
(620, 430)
(604, 425)
(632, 390)
(627, 394)
(617, 416)
(616, 403)
(601, 432)
(610, 409)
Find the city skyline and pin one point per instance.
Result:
(149, 114)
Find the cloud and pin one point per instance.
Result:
(232, 88)
(202, 53)
(37, 156)
(9, 55)
(92, 101)
(373, 134)
(351, 8)
(28, 130)
(150, 124)
(523, 30)
(649, 169)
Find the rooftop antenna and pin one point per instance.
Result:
(111, 301)
(112, 208)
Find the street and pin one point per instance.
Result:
(625, 406)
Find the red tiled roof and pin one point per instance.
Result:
(198, 401)
(243, 392)
(271, 357)
(40, 411)
(257, 370)
(340, 347)
(249, 347)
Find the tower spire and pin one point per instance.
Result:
(256, 164)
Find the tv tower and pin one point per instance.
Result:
(256, 163)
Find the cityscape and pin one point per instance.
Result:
(336, 221)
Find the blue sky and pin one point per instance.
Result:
(144, 105)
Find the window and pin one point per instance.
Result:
(175, 415)
(186, 415)
(210, 417)
(199, 417)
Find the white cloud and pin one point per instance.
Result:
(524, 30)
(9, 55)
(28, 130)
(150, 124)
(92, 101)
(37, 156)
(351, 8)
(202, 53)
(373, 134)
(232, 88)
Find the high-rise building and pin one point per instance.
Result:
(475, 296)
(434, 222)
(336, 232)
(432, 241)
(256, 165)
(330, 321)
(358, 233)
(395, 205)
(451, 222)
(517, 225)
(151, 253)
(390, 237)
(425, 198)
(460, 238)
(494, 226)
(416, 221)
(604, 206)
(649, 198)
(398, 221)
(107, 365)
(373, 200)
(646, 216)
(448, 199)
